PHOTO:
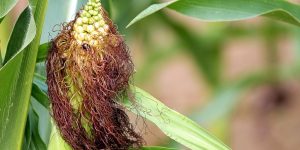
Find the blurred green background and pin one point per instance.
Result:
(240, 79)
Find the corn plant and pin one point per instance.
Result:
(72, 91)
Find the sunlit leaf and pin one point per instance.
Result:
(173, 124)
(150, 10)
(23, 33)
(16, 80)
(6, 6)
(229, 10)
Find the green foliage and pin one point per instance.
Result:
(229, 10)
(39, 95)
(21, 38)
(150, 10)
(42, 53)
(5, 7)
(13, 112)
(205, 50)
(172, 123)
(32, 139)
(16, 78)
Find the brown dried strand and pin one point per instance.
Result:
(100, 75)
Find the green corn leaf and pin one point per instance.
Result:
(20, 38)
(8, 74)
(172, 123)
(44, 125)
(39, 95)
(32, 138)
(36, 142)
(5, 7)
(150, 10)
(15, 90)
(43, 52)
(229, 10)
(108, 7)
(27, 136)
(40, 81)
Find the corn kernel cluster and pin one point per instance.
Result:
(90, 26)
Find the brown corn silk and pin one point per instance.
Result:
(85, 83)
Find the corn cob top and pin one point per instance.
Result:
(90, 26)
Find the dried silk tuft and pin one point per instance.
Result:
(88, 69)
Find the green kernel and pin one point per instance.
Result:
(102, 23)
(90, 28)
(87, 37)
(101, 31)
(97, 25)
(91, 12)
(84, 13)
(95, 12)
(91, 21)
(97, 9)
(79, 29)
(81, 36)
(85, 20)
(100, 17)
(85, 27)
(95, 33)
(97, 18)
(79, 21)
